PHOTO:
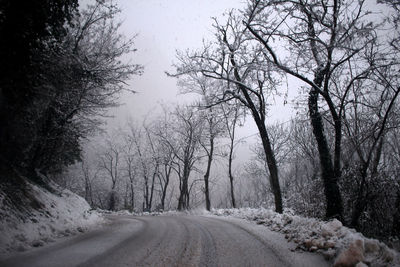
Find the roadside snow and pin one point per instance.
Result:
(277, 244)
(63, 215)
(338, 244)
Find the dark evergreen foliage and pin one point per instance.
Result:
(51, 85)
(28, 31)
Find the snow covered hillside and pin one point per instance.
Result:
(338, 244)
(42, 217)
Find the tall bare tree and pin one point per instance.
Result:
(110, 162)
(231, 115)
(182, 134)
(148, 159)
(213, 127)
(237, 63)
(323, 40)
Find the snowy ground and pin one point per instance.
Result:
(170, 240)
(66, 214)
(338, 244)
(63, 214)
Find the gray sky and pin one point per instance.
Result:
(164, 27)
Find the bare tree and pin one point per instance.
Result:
(131, 168)
(303, 190)
(110, 161)
(237, 63)
(367, 123)
(211, 131)
(166, 156)
(164, 174)
(322, 40)
(147, 159)
(231, 115)
(88, 177)
(205, 87)
(182, 134)
(155, 159)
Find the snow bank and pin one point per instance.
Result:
(157, 213)
(339, 244)
(131, 213)
(62, 214)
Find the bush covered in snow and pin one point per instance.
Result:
(343, 246)
(57, 214)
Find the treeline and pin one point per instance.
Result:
(60, 70)
(339, 158)
(344, 58)
(161, 164)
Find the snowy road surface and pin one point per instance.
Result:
(181, 240)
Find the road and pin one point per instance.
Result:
(180, 240)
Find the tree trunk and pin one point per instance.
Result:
(183, 202)
(231, 175)
(152, 189)
(272, 167)
(112, 201)
(180, 202)
(207, 174)
(259, 119)
(164, 194)
(146, 194)
(334, 204)
(131, 187)
(183, 197)
(167, 172)
(338, 148)
(180, 199)
(132, 197)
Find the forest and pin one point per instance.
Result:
(338, 157)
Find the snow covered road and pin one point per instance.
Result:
(179, 240)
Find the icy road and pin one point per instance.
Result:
(181, 240)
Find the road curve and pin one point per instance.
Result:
(181, 240)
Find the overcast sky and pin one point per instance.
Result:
(164, 26)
